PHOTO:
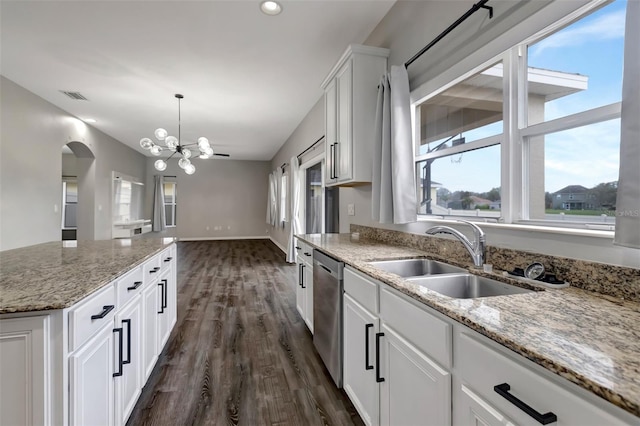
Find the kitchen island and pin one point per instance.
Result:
(81, 327)
(590, 340)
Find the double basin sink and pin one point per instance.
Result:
(446, 279)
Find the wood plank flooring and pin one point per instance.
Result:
(239, 354)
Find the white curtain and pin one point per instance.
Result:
(279, 213)
(272, 207)
(294, 220)
(628, 196)
(393, 186)
(269, 188)
(159, 222)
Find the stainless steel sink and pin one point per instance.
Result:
(466, 286)
(416, 267)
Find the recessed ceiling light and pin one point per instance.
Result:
(89, 120)
(270, 7)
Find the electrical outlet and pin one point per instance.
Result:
(351, 209)
(207, 228)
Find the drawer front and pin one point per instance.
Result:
(482, 368)
(129, 285)
(90, 315)
(168, 258)
(431, 335)
(151, 268)
(363, 290)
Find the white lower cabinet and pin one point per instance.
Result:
(471, 409)
(304, 289)
(150, 304)
(128, 386)
(91, 370)
(166, 309)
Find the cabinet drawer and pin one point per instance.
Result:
(363, 290)
(168, 258)
(89, 316)
(151, 268)
(431, 335)
(129, 285)
(482, 368)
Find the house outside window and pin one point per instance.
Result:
(563, 88)
(170, 202)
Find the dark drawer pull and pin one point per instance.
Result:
(154, 270)
(105, 310)
(545, 419)
(307, 254)
(298, 248)
(135, 286)
(164, 296)
(366, 347)
(168, 259)
(128, 322)
(119, 372)
(162, 285)
(378, 378)
(302, 276)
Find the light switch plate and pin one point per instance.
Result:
(351, 209)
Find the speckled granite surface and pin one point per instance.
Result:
(56, 275)
(591, 341)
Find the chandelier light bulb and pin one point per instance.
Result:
(146, 143)
(171, 142)
(270, 7)
(203, 156)
(183, 163)
(186, 152)
(190, 169)
(208, 151)
(156, 150)
(203, 143)
(161, 134)
(160, 165)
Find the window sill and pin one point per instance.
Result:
(579, 232)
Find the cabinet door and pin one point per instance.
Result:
(472, 410)
(129, 385)
(308, 296)
(360, 328)
(91, 379)
(150, 326)
(415, 390)
(300, 293)
(23, 368)
(166, 309)
(331, 131)
(344, 99)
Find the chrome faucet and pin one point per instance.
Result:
(476, 248)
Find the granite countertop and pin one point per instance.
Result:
(589, 339)
(58, 274)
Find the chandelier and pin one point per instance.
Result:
(173, 144)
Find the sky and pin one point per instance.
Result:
(585, 156)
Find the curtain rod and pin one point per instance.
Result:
(306, 150)
(474, 9)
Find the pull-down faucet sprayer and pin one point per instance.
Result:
(476, 248)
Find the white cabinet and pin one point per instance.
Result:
(128, 386)
(150, 303)
(166, 308)
(350, 106)
(24, 368)
(304, 289)
(91, 370)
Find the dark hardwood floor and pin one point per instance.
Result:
(239, 353)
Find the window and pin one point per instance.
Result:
(170, 202)
(562, 89)
(69, 202)
(283, 199)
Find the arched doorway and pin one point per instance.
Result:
(78, 195)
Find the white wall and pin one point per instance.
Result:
(222, 193)
(32, 135)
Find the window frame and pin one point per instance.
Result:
(516, 131)
(173, 204)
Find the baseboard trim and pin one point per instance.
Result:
(277, 244)
(261, 237)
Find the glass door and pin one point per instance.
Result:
(313, 199)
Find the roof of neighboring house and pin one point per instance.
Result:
(572, 189)
(479, 200)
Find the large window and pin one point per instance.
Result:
(560, 151)
(69, 202)
(170, 202)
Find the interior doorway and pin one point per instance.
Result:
(78, 195)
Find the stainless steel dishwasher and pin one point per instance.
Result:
(327, 312)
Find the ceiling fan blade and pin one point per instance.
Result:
(221, 155)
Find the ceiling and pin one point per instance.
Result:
(248, 79)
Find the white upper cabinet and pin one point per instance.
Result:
(351, 90)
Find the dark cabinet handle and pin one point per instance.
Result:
(162, 284)
(119, 372)
(168, 259)
(154, 270)
(366, 347)
(378, 378)
(332, 157)
(302, 276)
(307, 254)
(335, 161)
(128, 322)
(164, 296)
(298, 248)
(545, 419)
(135, 286)
(105, 310)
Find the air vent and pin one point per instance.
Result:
(77, 96)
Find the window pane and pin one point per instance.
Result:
(71, 195)
(169, 192)
(169, 219)
(579, 168)
(313, 199)
(579, 67)
(465, 184)
(467, 111)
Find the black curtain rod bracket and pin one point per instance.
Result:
(313, 145)
(480, 5)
